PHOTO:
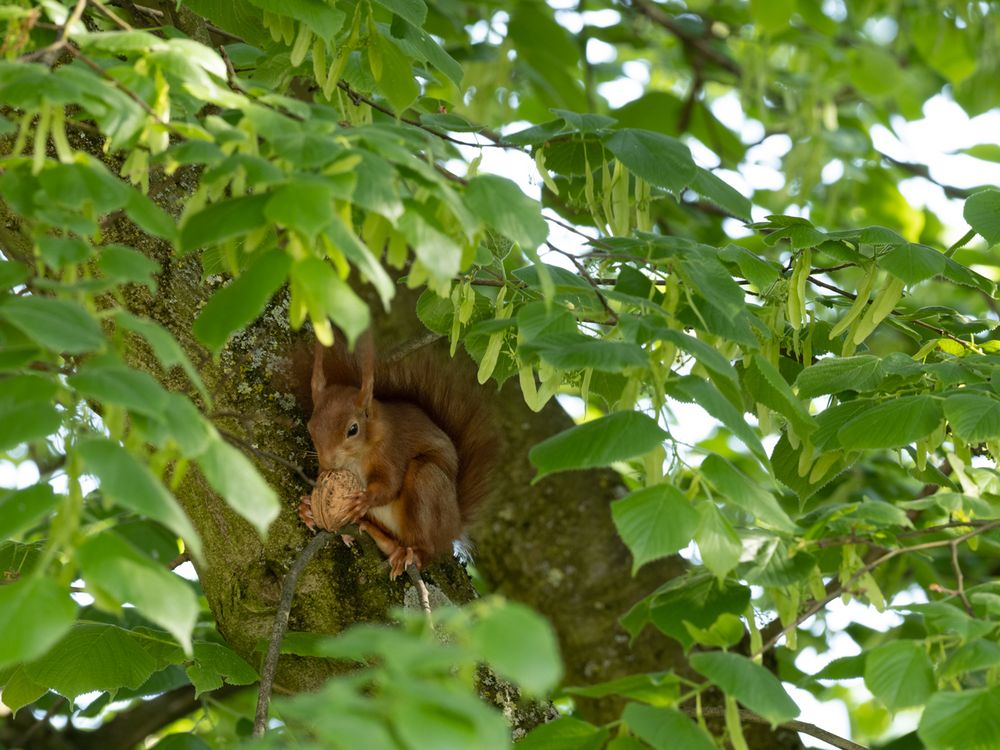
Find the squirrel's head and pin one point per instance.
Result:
(340, 421)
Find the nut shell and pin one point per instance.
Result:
(333, 489)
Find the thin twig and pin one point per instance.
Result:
(121, 23)
(179, 560)
(612, 315)
(960, 581)
(357, 97)
(281, 626)
(49, 53)
(38, 723)
(408, 347)
(116, 83)
(796, 726)
(818, 604)
(422, 592)
(700, 45)
(853, 538)
(266, 455)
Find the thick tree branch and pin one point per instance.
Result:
(130, 728)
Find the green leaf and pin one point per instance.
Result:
(114, 383)
(768, 387)
(344, 239)
(691, 389)
(239, 303)
(501, 204)
(725, 632)
(231, 474)
(435, 249)
(718, 542)
(974, 417)
(13, 273)
(773, 563)
(303, 205)
(985, 151)
(772, 15)
(125, 265)
(748, 682)
(715, 284)
(982, 211)
(63, 251)
(655, 688)
(164, 346)
(26, 409)
(900, 674)
(659, 159)
(113, 566)
(327, 295)
(955, 271)
(972, 657)
(707, 355)
(223, 220)
(150, 217)
(182, 741)
(565, 733)
(395, 74)
(22, 509)
(737, 488)
(892, 424)
(132, 485)
(721, 193)
(698, 599)
(215, 664)
(93, 657)
(35, 613)
(654, 522)
(192, 433)
(966, 720)
(58, 324)
(575, 351)
(420, 45)
(414, 11)
(615, 437)
(519, 644)
(835, 374)
(759, 272)
(912, 263)
(665, 728)
(20, 690)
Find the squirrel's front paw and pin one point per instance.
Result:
(306, 511)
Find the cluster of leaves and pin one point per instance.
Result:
(414, 686)
(323, 144)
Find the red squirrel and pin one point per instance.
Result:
(417, 434)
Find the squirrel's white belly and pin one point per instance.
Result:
(385, 515)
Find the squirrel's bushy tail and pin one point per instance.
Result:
(448, 393)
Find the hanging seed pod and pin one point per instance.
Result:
(300, 48)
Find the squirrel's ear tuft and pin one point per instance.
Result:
(318, 374)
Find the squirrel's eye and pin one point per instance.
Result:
(352, 430)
